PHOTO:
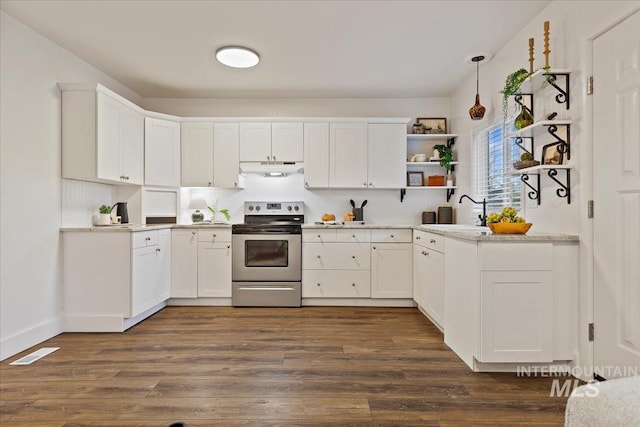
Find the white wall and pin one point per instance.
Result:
(30, 266)
(573, 25)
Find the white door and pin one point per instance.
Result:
(132, 145)
(214, 269)
(184, 264)
(387, 155)
(391, 271)
(316, 155)
(108, 134)
(226, 155)
(616, 191)
(161, 152)
(287, 142)
(348, 155)
(196, 147)
(255, 142)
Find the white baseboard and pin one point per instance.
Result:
(107, 323)
(29, 337)
(200, 301)
(355, 302)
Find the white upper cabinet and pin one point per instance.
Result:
(210, 155)
(255, 142)
(387, 153)
(197, 154)
(161, 152)
(348, 155)
(287, 142)
(316, 155)
(102, 136)
(271, 142)
(226, 160)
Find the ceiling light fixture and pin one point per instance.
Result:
(477, 111)
(237, 57)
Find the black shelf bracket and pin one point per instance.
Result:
(565, 190)
(526, 105)
(563, 144)
(563, 96)
(403, 192)
(519, 142)
(450, 192)
(534, 194)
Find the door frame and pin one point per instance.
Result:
(585, 363)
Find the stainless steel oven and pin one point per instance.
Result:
(267, 255)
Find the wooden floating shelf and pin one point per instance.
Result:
(537, 169)
(427, 136)
(529, 128)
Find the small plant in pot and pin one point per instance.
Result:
(105, 215)
(445, 154)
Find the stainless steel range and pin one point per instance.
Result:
(267, 255)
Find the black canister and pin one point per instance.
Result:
(428, 217)
(445, 215)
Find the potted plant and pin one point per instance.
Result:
(512, 87)
(224, 212)
(445, 154)
(105, 215)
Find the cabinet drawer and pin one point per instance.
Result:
(319, 235)
(429, 240)
(353, 235)
(141, 239)
(335, 284)
(391, 235)
(336, 256)
(214, 235)
(516, 256)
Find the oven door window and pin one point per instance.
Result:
(266, 253)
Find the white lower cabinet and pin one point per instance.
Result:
(336, 284)
(184, 264)
(428, 277)
(214, 269)
(114, 279)
(391, 264)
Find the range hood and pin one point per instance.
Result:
(272, 168)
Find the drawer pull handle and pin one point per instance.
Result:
(432, 241)
(424, 253)
(417, 237)
(353, 284)
(147, 238)
(193, 232)
(157, 249)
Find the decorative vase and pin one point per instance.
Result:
(197, 216)
(105, 219)
(523, 119)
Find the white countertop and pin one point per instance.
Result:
(459, 231)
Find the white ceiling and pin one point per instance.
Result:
(389, 49)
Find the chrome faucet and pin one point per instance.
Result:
(483, 217)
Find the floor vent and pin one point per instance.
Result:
(38, 354)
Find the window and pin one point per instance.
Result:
(494, 153)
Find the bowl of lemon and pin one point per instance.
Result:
(507, 222)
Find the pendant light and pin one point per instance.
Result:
(477, 111)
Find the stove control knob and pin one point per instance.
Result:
(289, 208)
(296, 208)
(250, 207)
(257, 208)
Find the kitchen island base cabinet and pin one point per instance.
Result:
(513, 303)
(114, 280)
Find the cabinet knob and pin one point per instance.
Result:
(417, 237)
(364, 183)
(392, 236)
(210, 183)
(353, 256)
(371, 184)
(353, 284)
(374, 248)
(318, 256)
(193, 232)
(432, 241)
(318, 236)
(424, 253)
(157, 249)
(306, 184)
(268, 158)
(228, 246)
(318, 284)
(235, 184)
(147, 238)
(353, 235)
(274, 158)
(215, 235)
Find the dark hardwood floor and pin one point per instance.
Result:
(313, 366)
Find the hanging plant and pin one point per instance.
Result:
(511, 87)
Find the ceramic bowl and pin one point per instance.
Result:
(509, 227)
